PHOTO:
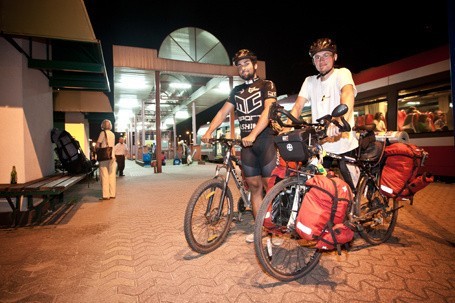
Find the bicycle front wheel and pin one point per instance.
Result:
(376, 213)
(279, 249)
(208, 216)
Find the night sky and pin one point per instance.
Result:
(367, 34)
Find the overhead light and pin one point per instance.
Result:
(127, 102)
(223, 87)
(124, 114)
(182, 115)
(169, 121)
(181, 85)
(132, 82)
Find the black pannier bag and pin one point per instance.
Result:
(69, 152)
(295, 145)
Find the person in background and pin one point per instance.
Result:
(163, 158)
(107, 168)
(378, 120)
(121, 152)
(185, 152)
(252, 101)
(440, 122)
(423, 124)
(323, 92)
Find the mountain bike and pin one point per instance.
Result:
(371, 214)
(210, 210)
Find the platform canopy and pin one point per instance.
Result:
(74, 58)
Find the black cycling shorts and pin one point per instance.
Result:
(259, 159)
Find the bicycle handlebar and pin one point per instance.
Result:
(230, 142)
(276, 110)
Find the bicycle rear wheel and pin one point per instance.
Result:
(208, 216)
(279, 250)
(376, 213)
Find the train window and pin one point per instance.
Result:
(366, 110)
(425, 109)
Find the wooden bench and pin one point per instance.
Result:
(48, 188)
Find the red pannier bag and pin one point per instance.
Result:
(399, 175)
(324, 207)
(417, 184)
(343, 234)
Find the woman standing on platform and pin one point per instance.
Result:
(107, 168)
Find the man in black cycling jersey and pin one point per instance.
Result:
(251, 101)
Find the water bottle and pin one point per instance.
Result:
(13, 175)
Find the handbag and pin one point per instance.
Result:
(104, 153)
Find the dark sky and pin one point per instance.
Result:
(367, 34)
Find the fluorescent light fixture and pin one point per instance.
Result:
(180, 85)
(125, 114)
(132, 82)
(128, 103)
(169, 121)
(223, 87)
(182, 115)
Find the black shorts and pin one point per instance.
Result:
(259, 159)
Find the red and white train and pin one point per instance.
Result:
(415, 96)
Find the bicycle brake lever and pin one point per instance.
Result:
(346, 127)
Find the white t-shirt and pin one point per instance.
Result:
(323, 97)
(121, 149)
(380, 125)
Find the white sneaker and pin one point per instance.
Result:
(249, 238)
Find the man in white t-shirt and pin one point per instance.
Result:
(324, 91)
(121, 151)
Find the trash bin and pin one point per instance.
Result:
(146, 158)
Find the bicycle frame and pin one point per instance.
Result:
(229, 162)
(210, 210)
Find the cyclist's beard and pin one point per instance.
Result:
(248, 76)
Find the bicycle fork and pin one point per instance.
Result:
(208, 212)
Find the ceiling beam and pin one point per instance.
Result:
(83, 85)
(71, 66)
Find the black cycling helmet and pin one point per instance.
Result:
(244, 54)
(322, 44)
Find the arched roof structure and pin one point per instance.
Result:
(188, 56)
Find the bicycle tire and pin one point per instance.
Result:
(204, 233)
(377, 213)
(291, 260)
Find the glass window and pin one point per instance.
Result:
(425, 109)
(371, 110)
